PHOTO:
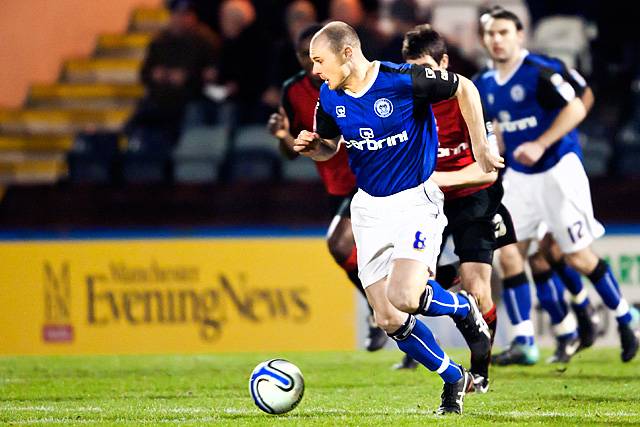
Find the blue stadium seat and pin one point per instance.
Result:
(92, 157)
(147, 157)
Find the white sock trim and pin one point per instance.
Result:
(524, 329)
(622, 308)
(579, 297)
(444, 365)
(566, 326)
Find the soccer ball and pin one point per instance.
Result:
(276, 386)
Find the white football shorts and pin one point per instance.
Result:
(406, 225)
(560, 198)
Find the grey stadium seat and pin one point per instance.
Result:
(199, 154)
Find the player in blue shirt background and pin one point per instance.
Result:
(537, 110)
(381, 112)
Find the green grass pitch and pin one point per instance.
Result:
(342, 388)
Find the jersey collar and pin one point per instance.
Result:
(503, 81)
(364, 90)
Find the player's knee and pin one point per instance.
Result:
(583, 260)
(511, 261)
(403, 298)
(539, 263)
(389, 321)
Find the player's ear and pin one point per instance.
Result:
(348, 52)
(444, 62)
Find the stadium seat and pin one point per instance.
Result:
(253, 156)
(253, 165)
(255, 136)
(301, 169)
(92, 157)
(564, 37)
(628, 160)
(199, 154)
(85, 96)
(102, 70)
(597, 152)
(147, 157)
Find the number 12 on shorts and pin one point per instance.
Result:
(575, 231)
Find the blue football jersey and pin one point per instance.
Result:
(526, 104)
(388, 127)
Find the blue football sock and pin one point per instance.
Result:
(609, 290)
(440, 302)
(416, 339)
(516, 295)
(550, 291)
(573, 282)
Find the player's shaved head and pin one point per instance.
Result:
(338, 35)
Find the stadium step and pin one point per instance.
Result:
(131, 45)
(94, 96)
(33, 170)
(58, 121)
(35, 143)
(149, 19)
(102, 70)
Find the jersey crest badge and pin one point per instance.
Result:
(383, 107)
(517, 93)
(341, 112)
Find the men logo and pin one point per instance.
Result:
(341, 112)
(57, 303)
(444, 75)
(383, 107)
(517, 93)
(429, 73)
(366, 133)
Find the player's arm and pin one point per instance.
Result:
(323, 143)
(469, 176)
(554, 91)
(579, 84)
(434, 86)
(278, 126)
(471, 108)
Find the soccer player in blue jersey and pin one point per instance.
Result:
(381, 112)
(537, 110)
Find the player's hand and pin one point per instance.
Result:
(489, 160)
(307, 143)
(528, 153)
(278, 125)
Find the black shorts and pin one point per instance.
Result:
(341, 205)
(471, 223)
(504, 229)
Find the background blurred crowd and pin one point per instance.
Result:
(223, 62)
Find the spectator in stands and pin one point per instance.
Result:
(299, 14)
(403, 19)
(179, 61)
(242, 61)
(364, 21)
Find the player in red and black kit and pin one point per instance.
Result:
(297, 112)
(472, 197)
